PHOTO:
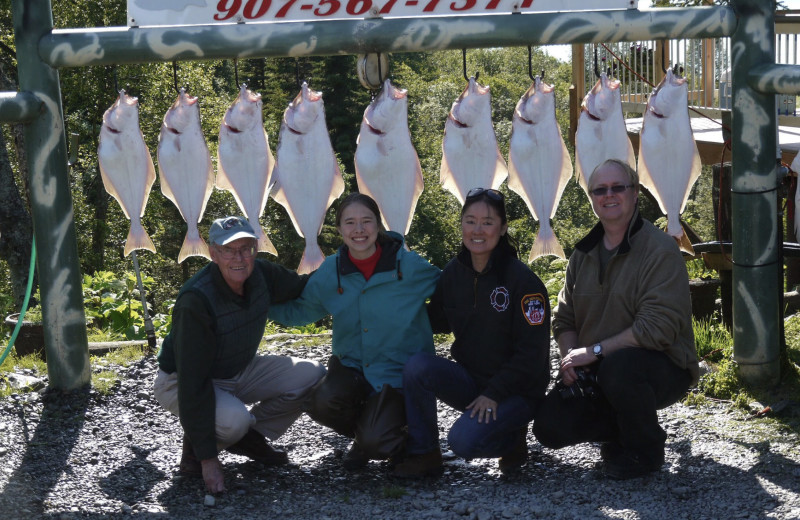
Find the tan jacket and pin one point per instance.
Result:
(645, 287)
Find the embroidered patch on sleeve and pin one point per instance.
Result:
(533, 308)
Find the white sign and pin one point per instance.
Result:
(202, 12)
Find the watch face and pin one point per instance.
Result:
(597, 349)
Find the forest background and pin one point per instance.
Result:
(433, 80)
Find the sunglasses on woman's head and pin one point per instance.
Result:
(492, 194)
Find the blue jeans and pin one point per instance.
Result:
(427, 377)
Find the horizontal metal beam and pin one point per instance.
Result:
(19, 107)
(115, 45)
(775, 79)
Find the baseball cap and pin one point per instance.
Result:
(227, 229)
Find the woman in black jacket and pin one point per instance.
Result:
(499, 313)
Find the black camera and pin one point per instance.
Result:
(584, 386)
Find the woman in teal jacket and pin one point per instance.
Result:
(375, 290)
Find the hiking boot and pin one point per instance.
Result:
(626, 465)
(420, 465)
(517, 457)
(190, 465)
(610, 450)
(255, 446)
(355, 458)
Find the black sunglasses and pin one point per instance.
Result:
(492, 194)
(617, 188)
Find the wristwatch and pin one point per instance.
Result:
(597, 350)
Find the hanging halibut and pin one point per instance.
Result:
(387, 166)
(126, 166)
(796, 167)
(470, 157)
(185, 169)
(307, 177)
(245, 160)
(601, 132)
(538, 162)
(669, 163)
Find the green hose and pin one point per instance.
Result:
(24, 304)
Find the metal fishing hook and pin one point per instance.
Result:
(236, 72)
(175, 76)
(464, 65)
(530, 66)
(596, 67)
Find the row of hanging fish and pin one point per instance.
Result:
(669, 163)
(305, 177)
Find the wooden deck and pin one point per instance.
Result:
(708, 135)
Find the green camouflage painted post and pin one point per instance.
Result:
(51, 203)
(19, 107)
(756, 233)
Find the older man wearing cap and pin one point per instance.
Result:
(209, 370)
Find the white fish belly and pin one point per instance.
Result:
(127, 171)
(187, 175)
(308, 177)
(245, 169)
(538, 168)
(596, 141)
(471, 159)
(669, 163)
(388, 170)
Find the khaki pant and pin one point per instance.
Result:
(277, 384)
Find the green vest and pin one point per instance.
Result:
(238, 326)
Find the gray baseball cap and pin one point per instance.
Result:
(226, 230)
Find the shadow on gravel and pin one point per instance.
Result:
(132, 482)
(49, 439)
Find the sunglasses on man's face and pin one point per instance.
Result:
(492, 194)
(617, 188)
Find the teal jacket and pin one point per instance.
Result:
(377, 324)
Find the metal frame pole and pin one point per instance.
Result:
(51, 204)
(756, 233)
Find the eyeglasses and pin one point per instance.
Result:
(617, 188)
(229, 253)
(492, 194)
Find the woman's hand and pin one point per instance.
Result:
(577, 357)
(484, 408)
(213, 475)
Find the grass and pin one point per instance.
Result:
(394, 492)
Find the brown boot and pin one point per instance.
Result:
(421, 465)
(517, 457)
(254, 446)
(189, 466)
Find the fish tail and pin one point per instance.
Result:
(138, 239)
(193, 245)
(546, 243)
(264, 243)
(674, 227)
(312, 258)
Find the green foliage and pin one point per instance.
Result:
(715, 346)
(394, 492)
(105, 382)
(115, 304)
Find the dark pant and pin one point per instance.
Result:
(345, 402)
(634, 383)
(426, 377)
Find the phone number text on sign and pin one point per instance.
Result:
(252, 10)
(192, 12)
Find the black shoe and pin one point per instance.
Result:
(254, 446)
(626, 465)
(610, 450)
(517, 457)
(190, 465)
(355, 458)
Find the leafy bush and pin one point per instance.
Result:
(115, 305)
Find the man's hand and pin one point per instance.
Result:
(484, 408)
(577, 357)
(213, 475)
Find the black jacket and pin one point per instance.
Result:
(501, 322)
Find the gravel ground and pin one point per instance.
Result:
(83, 455)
